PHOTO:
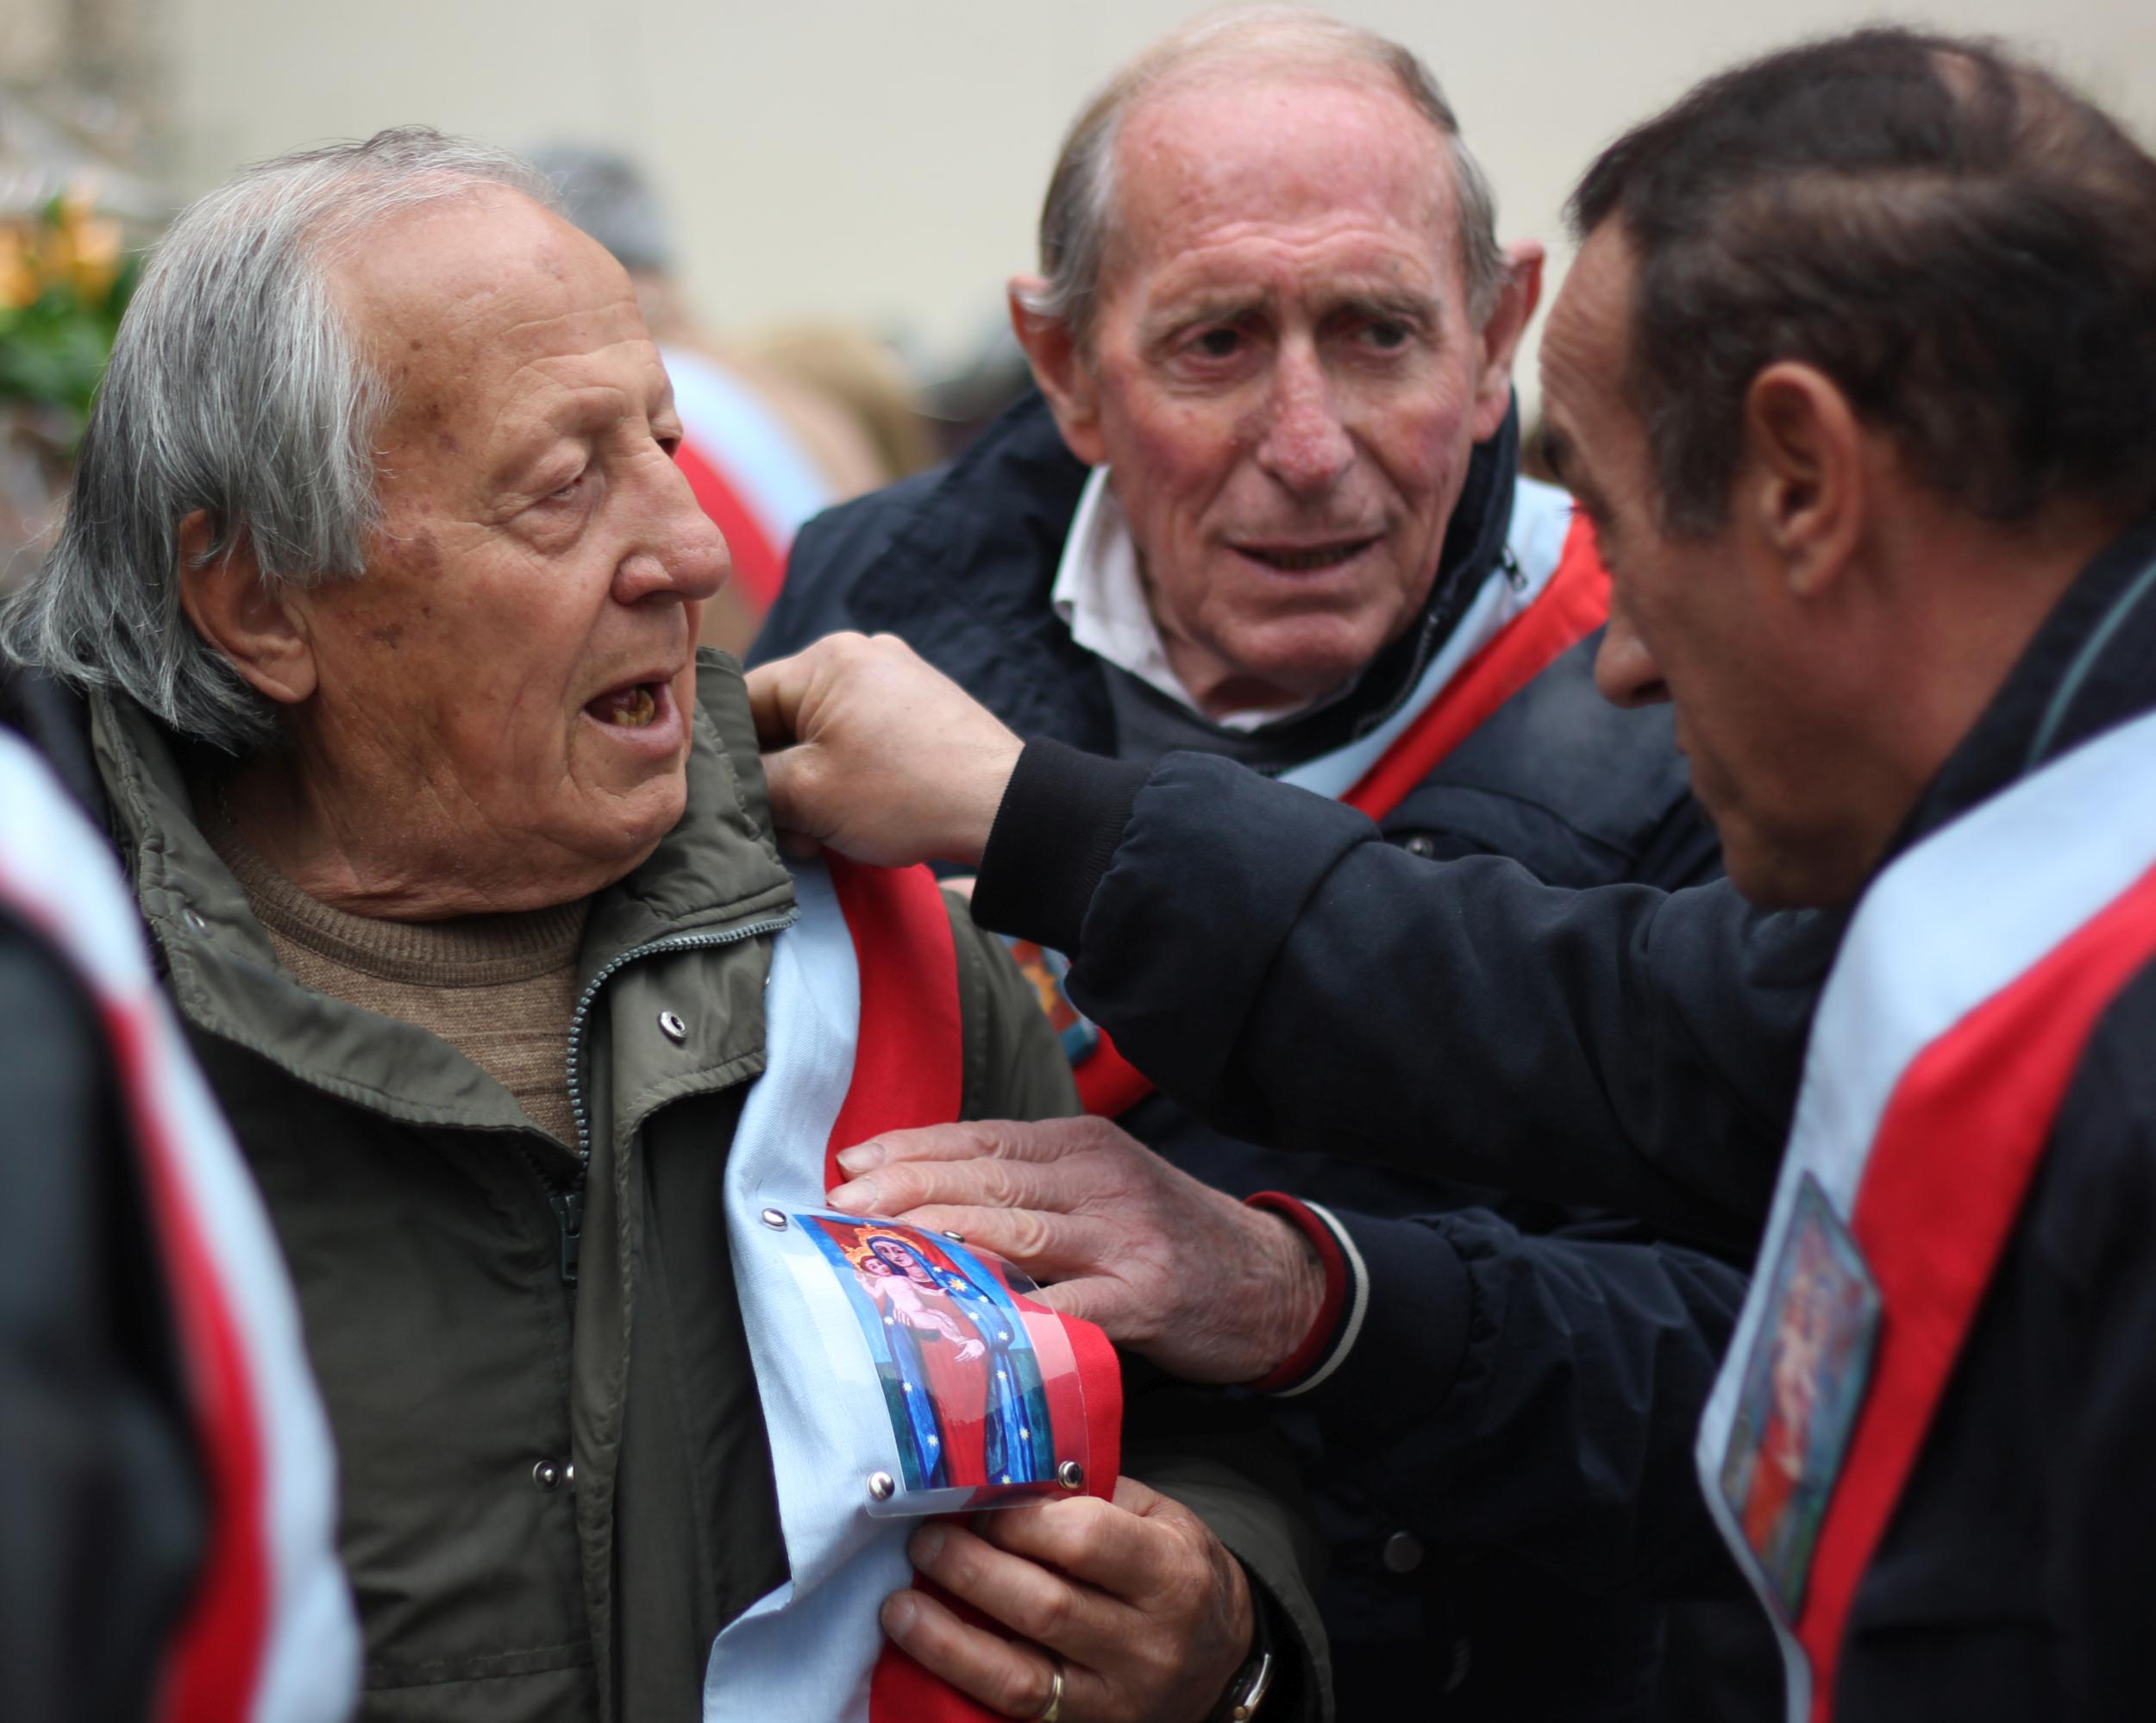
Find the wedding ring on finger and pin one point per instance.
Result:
(1052, 1712)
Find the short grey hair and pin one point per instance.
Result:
(236, 387)
(1078, 215)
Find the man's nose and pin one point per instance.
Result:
(1306, 444)
(1625, 671)
(677, 549)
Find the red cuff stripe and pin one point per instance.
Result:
(1314, 1345)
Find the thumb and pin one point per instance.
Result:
(776, 690)
(791, 776)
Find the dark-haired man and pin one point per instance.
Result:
(1852, 373)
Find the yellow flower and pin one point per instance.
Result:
(18, 277)
(84, 251)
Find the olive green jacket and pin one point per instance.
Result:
(555, 1493)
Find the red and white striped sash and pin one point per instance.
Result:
(270, 1636)
(863, 1036)
(1958, 1007)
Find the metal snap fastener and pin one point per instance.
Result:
(1402, 1553)
(568, 1473)
(881, 1486)
(773, 1219)
(955, 1238)
(673, 1028)
(192, 917)
(547, 1475)
(1070, 1475)
(1420, 845)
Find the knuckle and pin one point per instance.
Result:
(1086, 1527)
(1019, 1691)
(1050, 1615)
(1028, 1232)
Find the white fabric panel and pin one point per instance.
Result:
(1949, 925)
(806, 1651)
(60, 872)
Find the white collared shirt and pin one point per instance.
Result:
(1101, 599)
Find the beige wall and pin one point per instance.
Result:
(883, 162)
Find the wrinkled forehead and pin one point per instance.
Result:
(1212, 154)
(466, 302)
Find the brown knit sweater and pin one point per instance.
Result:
(498, 988)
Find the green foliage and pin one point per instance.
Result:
(63, 288)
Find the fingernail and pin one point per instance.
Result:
(928, 1543)
(857, 1198)
(899, 1612)
(861, 1158)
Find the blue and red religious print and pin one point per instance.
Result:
(962, 1379)
(1803, 1387)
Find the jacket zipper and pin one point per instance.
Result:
(567, 1200)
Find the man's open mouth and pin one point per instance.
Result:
(632, 707)
(1306, 559)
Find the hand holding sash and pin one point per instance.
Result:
(1142, 1608)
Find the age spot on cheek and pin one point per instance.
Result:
(423, 555)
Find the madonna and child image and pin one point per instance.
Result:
(963, 1379)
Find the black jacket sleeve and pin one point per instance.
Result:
(1537, 1394)
(102, 1505)
(1271, 963)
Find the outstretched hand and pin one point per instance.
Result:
(878, 755)
(1205, 1287)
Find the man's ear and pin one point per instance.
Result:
(1804, 480)
(1059, 369)
(1518, 294)
(256, 627)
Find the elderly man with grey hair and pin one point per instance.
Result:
(381, 588)
(1267, 506)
